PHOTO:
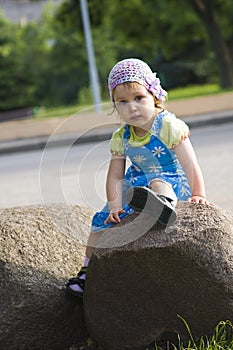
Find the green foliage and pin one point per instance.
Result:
(16, 88)
(67, 59)
(46, 63)
(220, 340)
(193, 91)
(23, 64)
(85, 100)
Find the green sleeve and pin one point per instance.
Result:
(116, 142)
(173, 131)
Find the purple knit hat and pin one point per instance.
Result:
(135, 70)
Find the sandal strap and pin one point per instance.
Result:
(82, 271)
(77, 280)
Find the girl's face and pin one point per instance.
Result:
(135, 105)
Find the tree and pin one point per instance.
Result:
(16, 86)
(206, 10)
(175, 34)
(67, 69)
(187, 42)
(172, 44)
(68, 76)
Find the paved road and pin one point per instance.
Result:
(77, 174)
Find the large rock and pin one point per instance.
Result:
(40, 247)
(138, 287)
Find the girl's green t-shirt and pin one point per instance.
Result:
(172, 132)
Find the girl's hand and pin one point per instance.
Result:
(201, 200)
(114, 216)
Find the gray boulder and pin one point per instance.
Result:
(142, 279)
(40, 248)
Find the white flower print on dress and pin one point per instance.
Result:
(139, 158)
(183, 191)
(179, 172)
(126, 146)
(153, 133)
(137, 168)
(154, 169)
(133, 179)
(157, 151)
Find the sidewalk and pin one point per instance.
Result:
(89, 126)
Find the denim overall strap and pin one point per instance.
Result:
(155, 161)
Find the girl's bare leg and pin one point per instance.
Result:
(163, 188)
(76, 285)
(92, 242)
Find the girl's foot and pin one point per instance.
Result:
(76, 285)
(144, 199)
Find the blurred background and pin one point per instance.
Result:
(46, 80)
(43, 58)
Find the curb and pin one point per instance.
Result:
(215, 118)
(40, 142)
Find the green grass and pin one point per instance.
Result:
(55, 112)
(62, 111)
(221, 339)
(175, 94)
(194, 91)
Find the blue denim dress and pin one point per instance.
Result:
(149, 162)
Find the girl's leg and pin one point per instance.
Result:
(159, 200)
(76, 285)
(92, 243)
(165, 189)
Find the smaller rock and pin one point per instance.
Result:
(40, 248)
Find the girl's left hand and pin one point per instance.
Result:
(114, 216)
(201, 200)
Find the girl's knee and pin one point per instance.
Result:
(162, 187)
(159, 184)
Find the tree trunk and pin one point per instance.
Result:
(205, 10)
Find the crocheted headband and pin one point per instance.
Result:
(135, 70)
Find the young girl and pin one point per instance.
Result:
(163, 167)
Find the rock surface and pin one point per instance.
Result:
(40, 248)
(142, 277)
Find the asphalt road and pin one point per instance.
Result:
(76, 175)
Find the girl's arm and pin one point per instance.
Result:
(188, 160)
(116, 172)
